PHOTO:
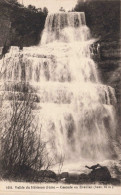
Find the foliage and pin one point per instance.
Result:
(26, 23)
(31, 7)
(102, 16)
(21, 146)
(45, 10)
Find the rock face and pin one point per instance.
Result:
(100, 174)
(109, 65)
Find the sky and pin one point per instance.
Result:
(52, 5)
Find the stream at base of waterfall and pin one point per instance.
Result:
(74, 111)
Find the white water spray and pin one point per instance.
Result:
(75, 110)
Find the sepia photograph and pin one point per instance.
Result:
(60, 97)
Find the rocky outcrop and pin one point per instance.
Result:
(64, 175)
(109, 65)
(84, 178)
(24, 173)
(100, 174)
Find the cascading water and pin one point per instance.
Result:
(75, 111)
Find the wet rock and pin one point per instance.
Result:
(84, 178)
(72, 178)
(64, 175)
(100, 174)
(115, 181)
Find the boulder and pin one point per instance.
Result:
(115, 181)
(100, 174)
(84, 178)
(72, 178)
(64, 175)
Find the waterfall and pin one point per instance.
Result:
(74, 110)
(55, 23)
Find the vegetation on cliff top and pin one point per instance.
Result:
(20, 25)
(102, 16)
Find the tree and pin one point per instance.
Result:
(39, 9)
(101, 16)
(26, 24)
(23, 153)
(21, 146)
(12, 1)
(45, 10)
(62, 9)
(32, 8)
(9, 1)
